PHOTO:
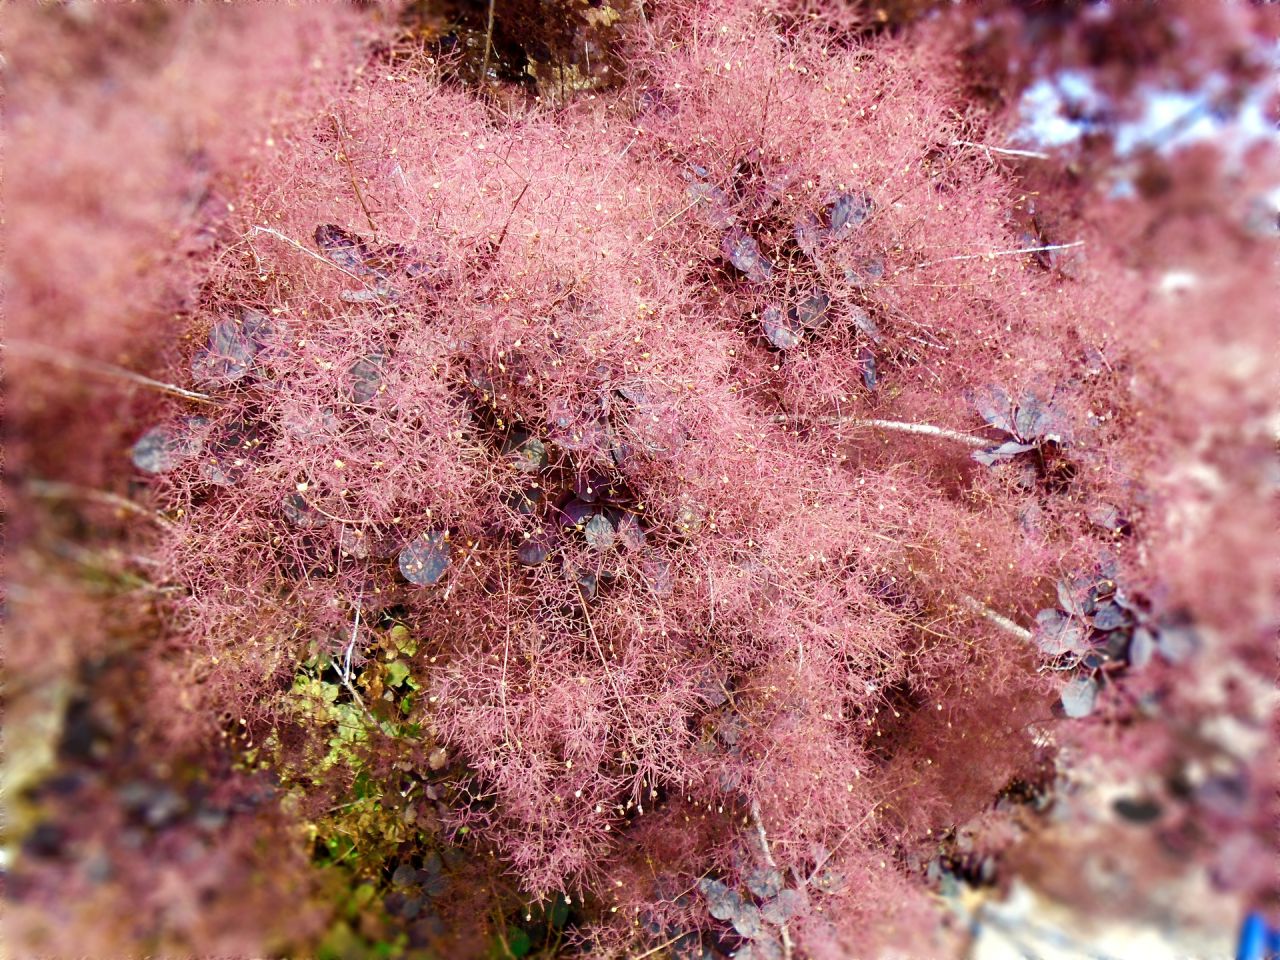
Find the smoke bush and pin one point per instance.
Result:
(712, 438)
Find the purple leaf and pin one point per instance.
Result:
(808, 233)
(1002, 453)
(345, 249)
(1031, 420)
(588, 486)
(230, 451)
(631, 533)
(829, 881)
(784, 906)
(866, 271)
(1105, 516)
(656, 571)
(1057, 634)
(425, 560)
(300, 513)
(166, 446)
(1110, 616)
(576, 513)
(353, 542)
(1074, 596)
(259, 328)
(764, 883)
(780, 330)
(535, 549)
(863, 322)
(746, 920)
(634, 393)
(847, 211)
(722, 903)
(713, 205)
(599, 532)
(741, 249)
(996, 408)
(1178, 642)
(1142, 648)
(366, 376)
(811, 313)
(765, 948)
(526, 453)
(867, 364)
(1079, 697)
(227, 358)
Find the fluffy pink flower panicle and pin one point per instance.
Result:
(711, 436)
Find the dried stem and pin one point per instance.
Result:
(51, 490)
(768, 858)
(1007, 151)
(998, 253)
(345, 157)
(999, 619)
(345, 670)
(488, 45)
(921, 429)
(68, 361)
(310, 253)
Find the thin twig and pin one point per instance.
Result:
(999, 619)
(604, 664)
(823, 861)
(670, 220)
(922, 429)
(1009, 151)
(345, 157)
(511, 213)
(67, 361)
(52, 490)
(999, 253)
(310, 253)
(659, 947)
(345, 671)
(768, 858)
(488, 45)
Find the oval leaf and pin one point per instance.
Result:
(764, 883)
(341, 247)
(535, 549)
(164, 447)
(300, 513)
(1002, 453)
(781, 329)
(741, 250)
(783, 907)
(631, 532)
(847, 211)
(366, 376)
(425, 560)
(1142, 647)
(227, 358)
(996, 408)
(746, 920)
(1079, 697)
(1057, 634)
(576, 513)
(599, 532)
(808, 234)
(812, 313)
(722, 903)
(656, 571)
(231, 451)
(867, 364)
(529, 455)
